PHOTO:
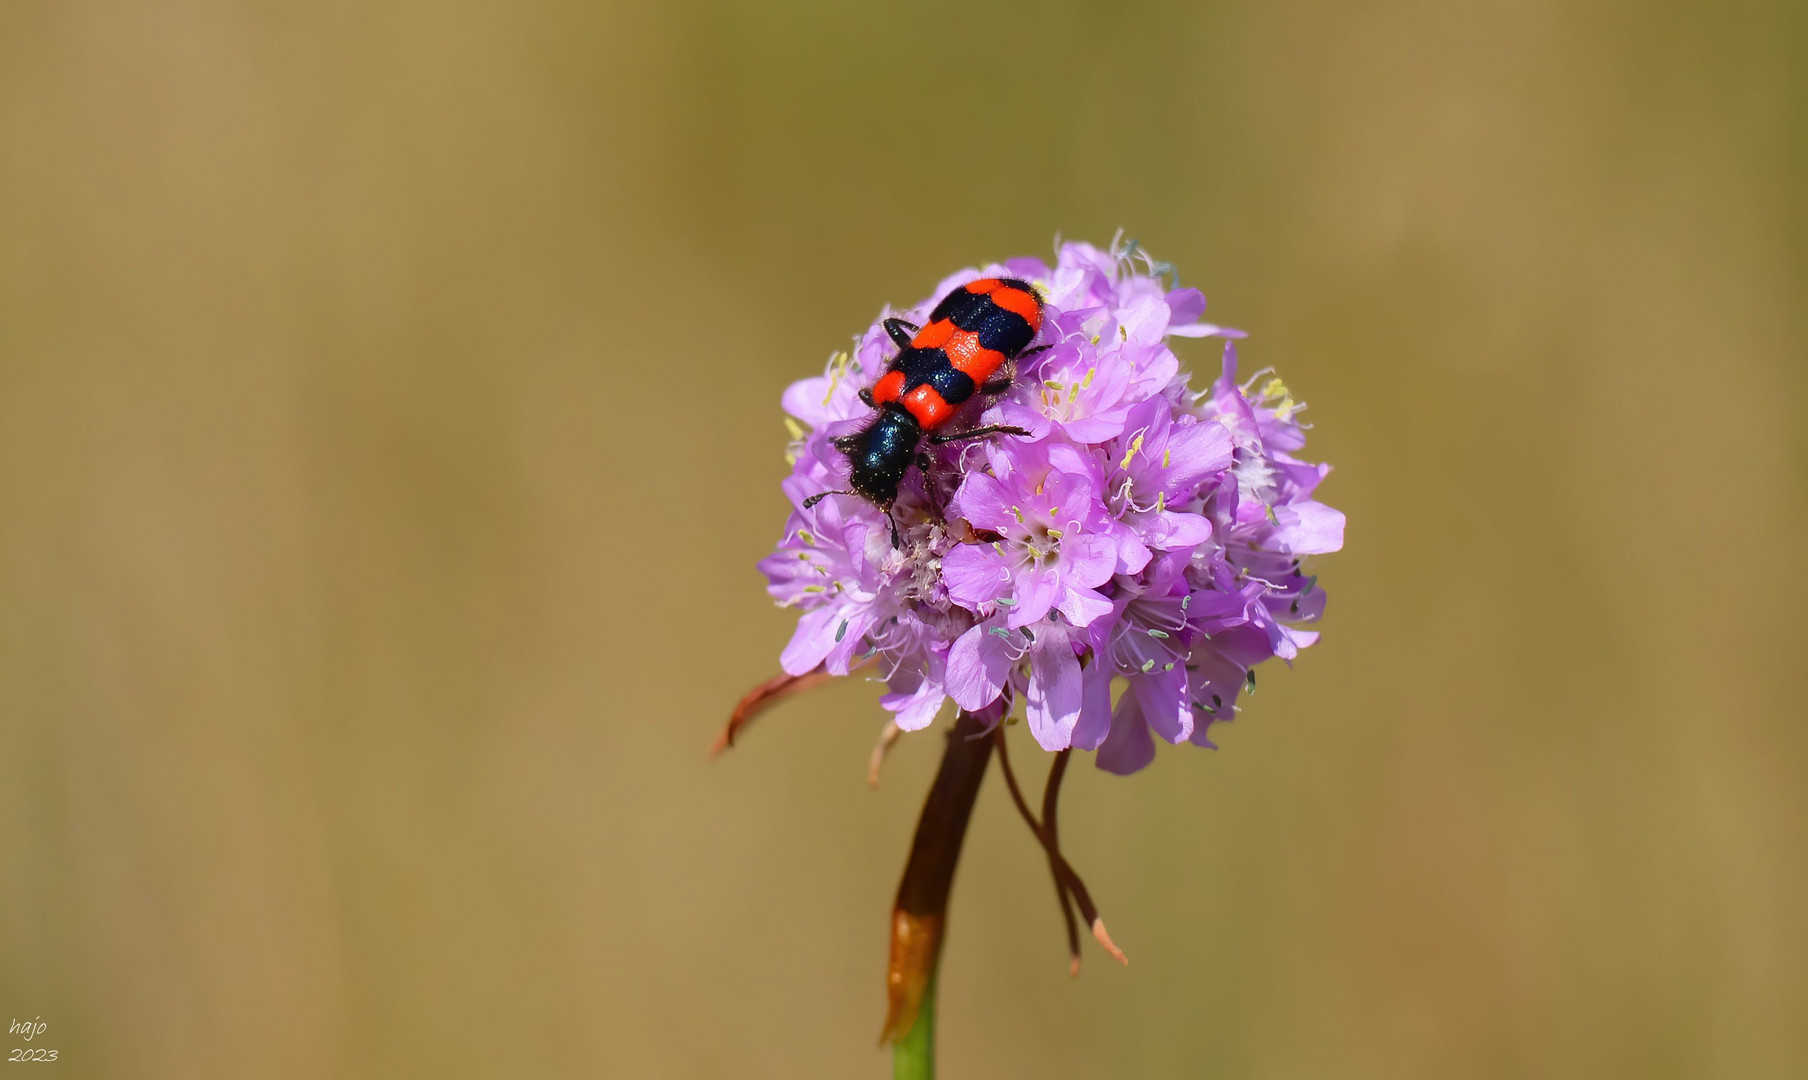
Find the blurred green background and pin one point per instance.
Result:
(389, 427)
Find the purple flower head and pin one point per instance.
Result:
(1120, 570)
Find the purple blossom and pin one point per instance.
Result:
(1056, 544)
(1120, 571)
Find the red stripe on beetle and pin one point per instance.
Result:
(927, 405)
(983, 285)
(1016, 300)
(971, 358)
(888, 388)
(933, 335)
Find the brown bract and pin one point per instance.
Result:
(761, 698)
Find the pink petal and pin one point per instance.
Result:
(1052, 702)
(814, 637)
(975, 574)
(1037, 591)
(1309, 528)
(1088, 560)
(1162, 697)
(1185, 305)
(1206, 329)
(1098, 427)
(978, 665)
(1170, 531)
(1020, 415)
(1128, 748)
(985, 502)
(1194, 452)
(1095, 706)
(846, 635)
(915, 711)
(1083, 606)
(1132, 553)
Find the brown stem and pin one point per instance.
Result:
(1051, 794)
(1064, 873)
(1049, 848)
(919, 914)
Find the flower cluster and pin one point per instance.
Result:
(1120, 570)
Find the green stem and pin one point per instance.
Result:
(919, 914)
(913, 1056)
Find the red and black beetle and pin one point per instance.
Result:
(966, 348)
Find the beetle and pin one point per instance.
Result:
(967, 347)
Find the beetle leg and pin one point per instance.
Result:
(1002, 380)
(866, 395)
(932, 487)
(980, 433)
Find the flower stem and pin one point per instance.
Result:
(919, 915)
(913, 1056)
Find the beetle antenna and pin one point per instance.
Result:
(821, 495)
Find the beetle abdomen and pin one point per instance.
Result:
(970, 335)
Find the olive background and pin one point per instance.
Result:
(389, 428)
